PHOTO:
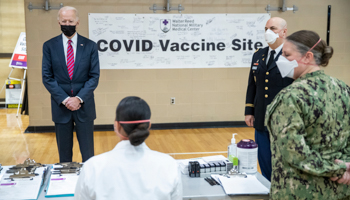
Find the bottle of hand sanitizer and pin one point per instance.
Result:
(232, 149)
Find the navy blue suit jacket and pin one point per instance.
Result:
(263, 85)
(85, 78)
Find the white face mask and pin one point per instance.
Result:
(270, 36)
(286, 67)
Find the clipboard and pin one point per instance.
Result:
(243, 186)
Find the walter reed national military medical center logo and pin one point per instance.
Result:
(179, 25)
(165, 25)
(196, 41)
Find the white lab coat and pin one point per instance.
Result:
(129, 172)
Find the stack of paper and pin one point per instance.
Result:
(217, 158)
(20, 188)
(61, 185)
(242, 186)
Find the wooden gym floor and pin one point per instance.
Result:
(16, 146)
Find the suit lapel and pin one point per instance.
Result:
(79, 53)
(273, 65)
(60, 54)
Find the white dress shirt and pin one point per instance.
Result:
(65, 47)
(74, 45)
(129, 172)
(277, 51)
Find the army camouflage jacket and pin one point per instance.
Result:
(309, 128)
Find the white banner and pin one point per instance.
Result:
(163, 41)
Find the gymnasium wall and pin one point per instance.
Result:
(202, 95)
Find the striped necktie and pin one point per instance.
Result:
(70, 59)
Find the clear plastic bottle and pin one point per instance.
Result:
(232, 149)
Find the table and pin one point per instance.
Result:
(193, 188)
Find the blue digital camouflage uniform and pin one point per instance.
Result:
(309, 124)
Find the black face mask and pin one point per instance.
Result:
(68, 30)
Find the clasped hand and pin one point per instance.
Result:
(73, 104)
(346, 176)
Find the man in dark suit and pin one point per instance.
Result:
(265, 81)
(70, 72)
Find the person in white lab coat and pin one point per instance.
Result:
(131, 170)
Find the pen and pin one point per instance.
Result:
(214, 181)
(207, 179)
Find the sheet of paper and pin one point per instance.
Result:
(241, 186)
(20, 188)
(217, 158)
(62, 185)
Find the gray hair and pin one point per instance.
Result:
(304, 40)
(65, 8)
(303, 49)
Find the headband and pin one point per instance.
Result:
(135, 122)
(315, 44)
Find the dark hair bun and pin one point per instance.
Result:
(139, 134)
(326, 55)
(132, 109)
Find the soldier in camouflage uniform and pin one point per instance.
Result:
(309, 125)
